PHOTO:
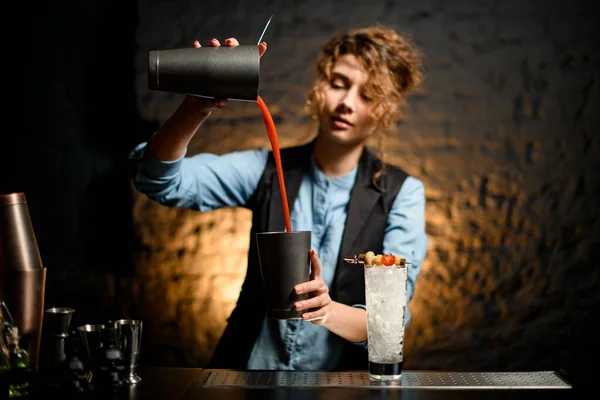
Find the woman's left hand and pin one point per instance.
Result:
(318, 305)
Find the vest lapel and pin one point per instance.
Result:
(363, 198)
(348, 284)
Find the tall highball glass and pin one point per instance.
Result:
(386, 306)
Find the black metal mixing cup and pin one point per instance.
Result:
(214, 72)
(284, 262)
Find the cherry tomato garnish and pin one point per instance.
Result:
(388, 260)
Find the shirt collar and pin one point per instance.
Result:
(342, 182)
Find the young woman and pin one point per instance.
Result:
(350, 200)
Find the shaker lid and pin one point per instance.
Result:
(12, 198)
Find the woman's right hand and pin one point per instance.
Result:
(209, 105)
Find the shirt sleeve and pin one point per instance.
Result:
(204, 181)
(405, 235)
(364, 343)
(405, 232)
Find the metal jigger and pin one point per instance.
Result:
(22, 276)
(57, 321)
(55, 333)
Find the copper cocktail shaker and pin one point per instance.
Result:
(22, 275)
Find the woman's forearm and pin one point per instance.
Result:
(172, 138)
(347, 322)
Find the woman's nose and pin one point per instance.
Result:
(348, 101)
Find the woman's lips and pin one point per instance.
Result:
(340, 123)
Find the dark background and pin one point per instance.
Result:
(504, 135)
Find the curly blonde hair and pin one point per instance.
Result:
(393, 65)
(392, 62)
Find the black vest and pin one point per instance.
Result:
(365, 227)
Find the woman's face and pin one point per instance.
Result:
(344, 110)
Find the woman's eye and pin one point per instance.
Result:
(366, 98)
(337, 84)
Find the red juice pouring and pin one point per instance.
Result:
(272, 132)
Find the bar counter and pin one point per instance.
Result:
(198, 383)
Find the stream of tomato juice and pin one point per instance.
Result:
(272, 132)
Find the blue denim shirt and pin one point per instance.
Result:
(206, 182)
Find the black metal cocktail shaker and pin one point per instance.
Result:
(214, 72)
